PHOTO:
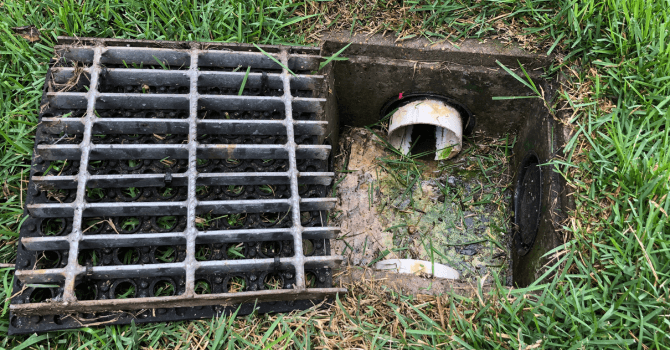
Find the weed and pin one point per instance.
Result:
(128, 255)
(167, 192)
(96, 164)
(165, 254)
(130, 223)
(163, 289)
(166, 222)
(52, 227)
(236, 284)
(162, 64)
(56, 167)
(235, 220)
(202, 287)
(266, 189)
(95, 193)
(273, 281)
(131, 192)
(203, 252)
(235, 251)
(124, 290)
(310, 280)
(235, 189)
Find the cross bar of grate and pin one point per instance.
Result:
(100, 77)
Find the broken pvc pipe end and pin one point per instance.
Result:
(445, 118)
(411, 266)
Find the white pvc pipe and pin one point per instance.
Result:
(446, 119)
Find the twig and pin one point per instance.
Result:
(647, 257)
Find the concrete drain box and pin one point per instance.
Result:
(381, 73)
(175, 180)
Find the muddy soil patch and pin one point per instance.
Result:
(453, 212)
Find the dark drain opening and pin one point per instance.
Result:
(527, 203)
(423, 141)
(236, 284)
(48, 260)
(86, 291)
(123, 289)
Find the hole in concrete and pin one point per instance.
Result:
(131, 193)
(273, 281)
(92, 225)
(235, 251)
(128, 224)
(203, 252)
(53, 226)
(454, 212)
(165, 254)
(166, 223)
(270, 249)
(86, 291)
(236, 284)
(163, 288)
(89, 257)
(128, 255)
(48, 259)
(39, 295)
(95, 194)
(310, 280)
(167, 192)
(124, 289)
(203, 286)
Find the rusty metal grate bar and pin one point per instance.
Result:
(100, 132)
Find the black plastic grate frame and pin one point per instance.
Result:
(263, 125)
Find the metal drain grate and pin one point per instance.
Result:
(157, 192)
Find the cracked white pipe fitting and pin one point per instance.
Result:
(446, 119)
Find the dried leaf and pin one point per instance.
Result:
(30, 33)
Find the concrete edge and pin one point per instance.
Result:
(469, 52)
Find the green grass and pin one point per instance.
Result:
(608, 289)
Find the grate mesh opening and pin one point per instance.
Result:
(159, 192)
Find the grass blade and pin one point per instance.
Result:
(244, 81)
(274, 59)
(334, 57)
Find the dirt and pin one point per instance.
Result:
(404, 283)
(361, 228)
(437, 219)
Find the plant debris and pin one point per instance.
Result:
(30, 33)
(451, 212)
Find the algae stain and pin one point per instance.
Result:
(426, 228)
